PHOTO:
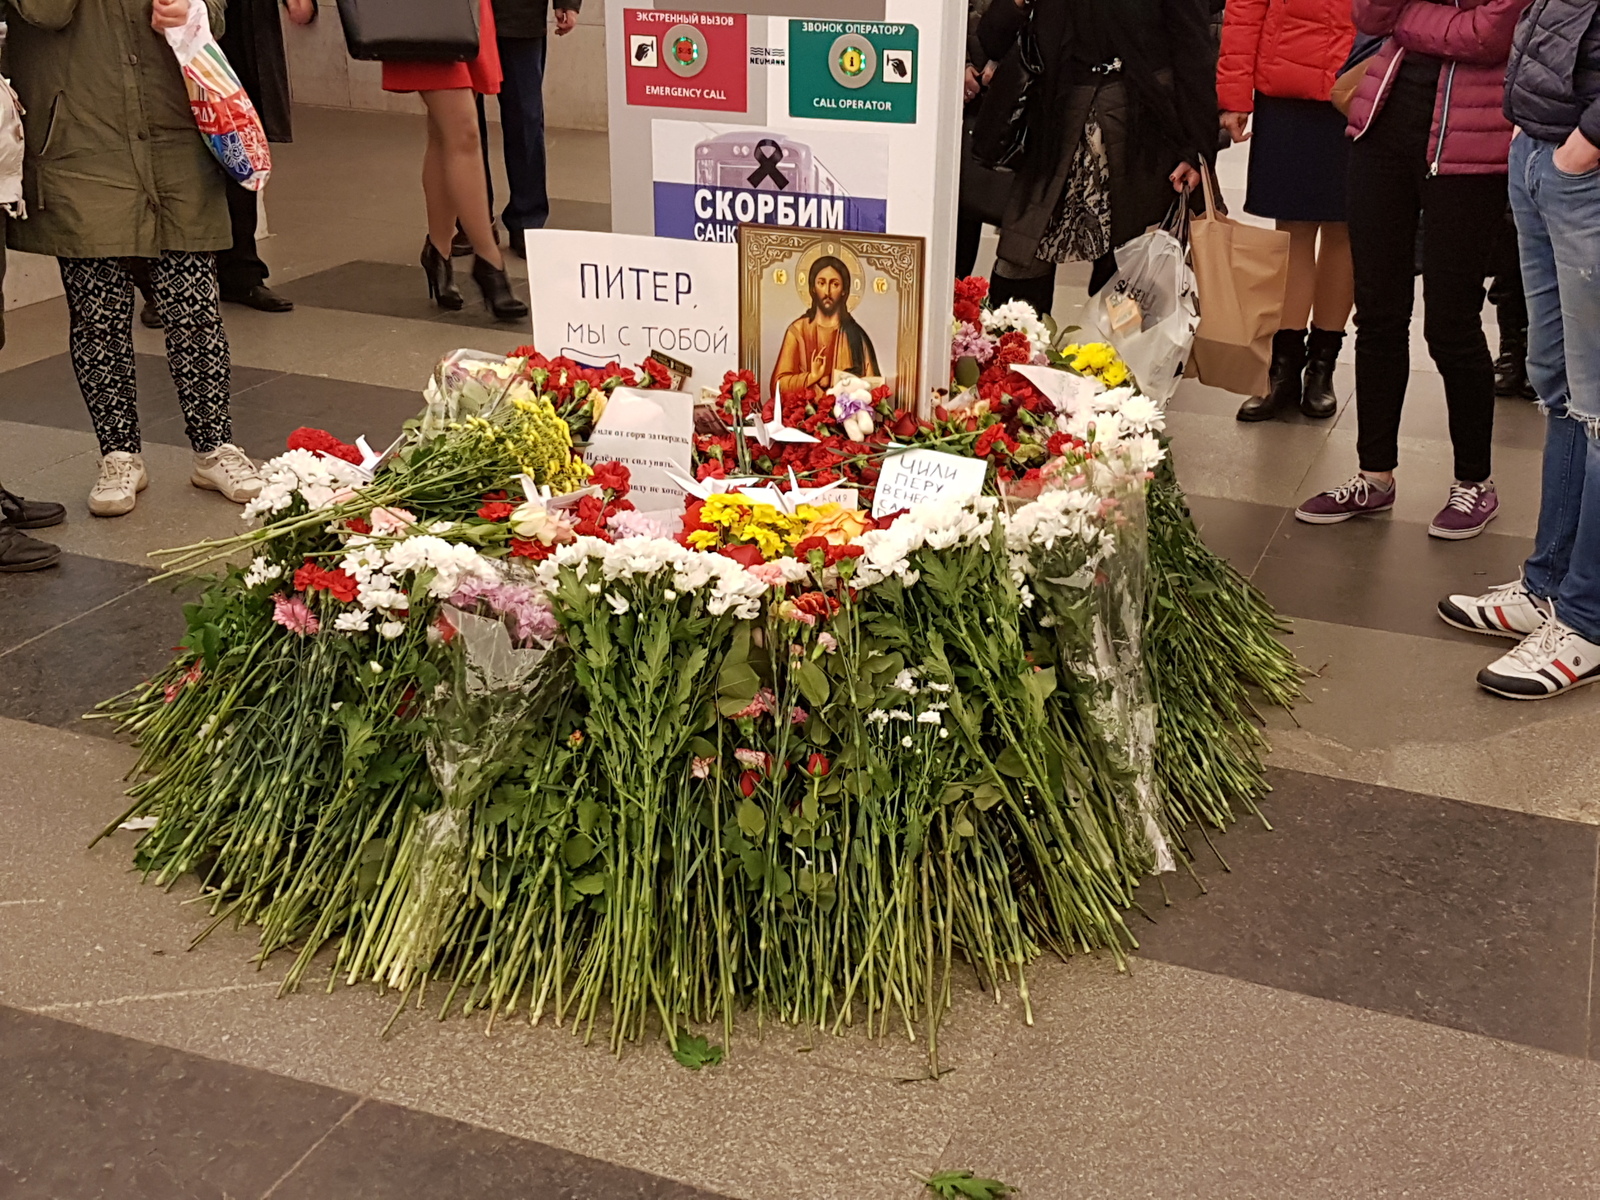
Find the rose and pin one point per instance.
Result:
(818, 765)
(533, 522)
(838, 525)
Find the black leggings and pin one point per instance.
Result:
(183, 286)
(1462, 218)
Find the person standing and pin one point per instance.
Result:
(18, 551)
(1430, 145)
(520, 36)
(1123, 109)
(453, 184)
(1279, 61)
(1553, 96)
(114, 172)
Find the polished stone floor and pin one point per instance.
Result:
(1390, 993)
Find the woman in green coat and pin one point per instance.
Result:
(114, 169)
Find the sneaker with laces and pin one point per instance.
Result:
(1507, 610)
(1357, 497)
(228, 470)
(122, 478)
(1468, 511)
(1553, 659)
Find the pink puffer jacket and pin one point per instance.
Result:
(1470, 134)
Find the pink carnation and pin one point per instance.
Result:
(390, 520)
(291, 612)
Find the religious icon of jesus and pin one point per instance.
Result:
(826, 338)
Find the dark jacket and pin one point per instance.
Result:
(1553, 82)
(253, 42)
(526, 18)
(1170, 63)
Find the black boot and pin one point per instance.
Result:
(1322, 353)
(497, 294)
(29, 514)
(19, 552)
(1283, 377)
(441, 278)
(1511, 368)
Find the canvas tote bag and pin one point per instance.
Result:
(1241, 272)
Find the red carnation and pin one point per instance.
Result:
(320, 441)
(534, 549)
(497, 510)
(818, 765)
(745, 556)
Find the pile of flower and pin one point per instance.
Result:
(794, 760)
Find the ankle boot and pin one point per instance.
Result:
(1322, 352)
(441, 278)
(497, 293)
(1283, 377)
(1511, 368)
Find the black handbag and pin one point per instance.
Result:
(410, 30)
(1000, 134)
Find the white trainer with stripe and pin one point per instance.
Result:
(1553, 660)
(1506, 610)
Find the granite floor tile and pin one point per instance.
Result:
(36, 602)
(92, 1116)
(391, 290)
(1236, 529)
(58, 677)
(1455, 914)
(26, 449)
(1197, 397)
(1404, 712)
(382, 1152)
(580, 214)
(1259, 464)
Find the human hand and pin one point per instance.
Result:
(1235, 123)
(1184, 176)
(566, 21)
(969, 84)
(168, 14)
(988, 73)
(819, 367)
(1577, 155)
(301, 12)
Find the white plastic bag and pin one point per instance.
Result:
(10, 145)
(1153, 271)
(222, 109)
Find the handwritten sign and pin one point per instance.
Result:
(652, 434)
(611, 297)
(917, 476)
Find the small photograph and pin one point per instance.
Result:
(818, 304)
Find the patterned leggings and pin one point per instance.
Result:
(184, 288)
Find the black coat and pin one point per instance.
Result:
(526, 18)
(252, 38)
(1170, 66)
(1553, 78)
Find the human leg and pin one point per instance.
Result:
(522, 126)
(452, 179)
(1302, 282)
(185, 287)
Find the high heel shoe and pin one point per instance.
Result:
(497, 293)
(442, 287)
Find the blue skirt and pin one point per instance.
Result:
(1299, 156)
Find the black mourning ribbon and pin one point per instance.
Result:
(768, 155)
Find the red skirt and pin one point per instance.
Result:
(482, 74)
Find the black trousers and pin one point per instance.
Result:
(239, 268)
(1390, 192)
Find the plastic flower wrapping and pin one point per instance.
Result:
(760, 758)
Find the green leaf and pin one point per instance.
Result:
(1010, 763)
(986, 795)
(751, 819)
(590, 885)
(578, 850)
(963, 828)
(964, 1185)
(813, 681)
(737, 685)
(695, 1052)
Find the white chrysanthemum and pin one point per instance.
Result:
(352, 622)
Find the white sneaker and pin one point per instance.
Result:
(1505, 610)
(228, 470)
(1553, 660)
(122, 478)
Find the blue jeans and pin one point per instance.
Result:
(1558, 237)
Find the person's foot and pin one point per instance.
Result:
(1511, 368)
(1317, 398)
(1358, 497)
(461, 244)
(517, 242)
(29, 514)
(148, 316)
(1553, 659)
(1468, 511)
(19, 552)
(122, 478)
(260, 297)
(228, 470)
(1283, 378)
(1507, 610)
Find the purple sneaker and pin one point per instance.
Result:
(1358, 497)
(1468, 511)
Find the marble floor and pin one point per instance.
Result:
(1390, 993)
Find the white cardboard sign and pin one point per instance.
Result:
(611, 297)
(652, 434)
(917, 476)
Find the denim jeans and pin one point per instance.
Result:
(522, 62)
(1558, 235)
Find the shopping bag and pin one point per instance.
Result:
(227, 120)
(1241, 271)
(10, 145)
(1147, 311)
